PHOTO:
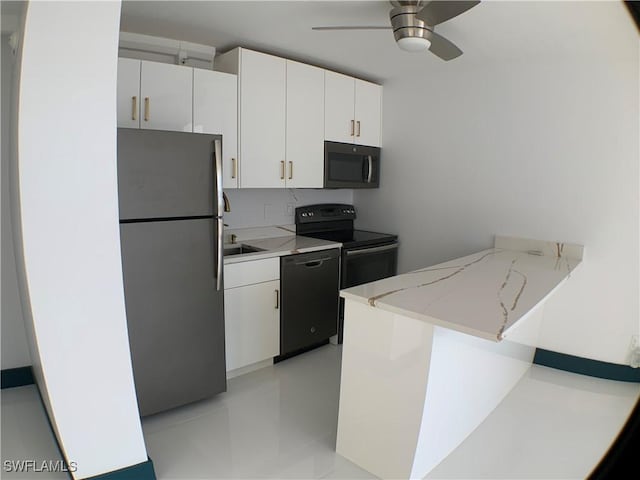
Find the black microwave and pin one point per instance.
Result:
(351, 166)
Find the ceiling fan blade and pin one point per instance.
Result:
(438, 11)
(354, 27)
(443, 48)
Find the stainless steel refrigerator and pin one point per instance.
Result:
(171, 207)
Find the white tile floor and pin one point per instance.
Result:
(280, 422)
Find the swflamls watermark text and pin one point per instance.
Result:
(38, 466)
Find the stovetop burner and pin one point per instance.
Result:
(354, 238)
(334, 222)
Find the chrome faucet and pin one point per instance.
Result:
(227, 206)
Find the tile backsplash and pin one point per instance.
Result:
(260, 207)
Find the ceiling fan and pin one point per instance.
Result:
(413, 25)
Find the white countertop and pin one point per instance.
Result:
(283, 243)
(483, 294)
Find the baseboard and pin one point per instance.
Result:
(141, 471)
(249, 368)
(17, 377)
(586, 366)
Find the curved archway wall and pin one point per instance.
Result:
(67, 233)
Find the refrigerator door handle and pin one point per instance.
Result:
(219, 227)
(217, 164)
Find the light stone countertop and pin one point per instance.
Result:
(283, 242)
(483, 294)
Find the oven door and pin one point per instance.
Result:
(368, 264)
(364, 265)
(351, 166)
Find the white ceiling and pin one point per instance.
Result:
(493, 31)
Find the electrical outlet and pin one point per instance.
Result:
(290, 209)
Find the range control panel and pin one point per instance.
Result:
(324, 212)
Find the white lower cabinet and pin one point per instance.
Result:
(252, 312)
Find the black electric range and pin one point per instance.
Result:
(334, 222)
(366, 256)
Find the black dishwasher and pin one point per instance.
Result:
(309, 284)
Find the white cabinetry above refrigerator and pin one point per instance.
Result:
(161, 96)
(154, 96)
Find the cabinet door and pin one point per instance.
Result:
(367, 113)
(215, 110)
(252, 323)
(128, 97)
(166, 94)
(262, 120)
(339, 107)
(305, 126)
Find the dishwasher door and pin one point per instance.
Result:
(309, 285)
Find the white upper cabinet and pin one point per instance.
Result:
(352, 110)
(368, 113)
(287, 110)
(304, 126)
(339, 113)
(215, 111)
(262, 93)
(154, 96)
(128, 98)
(166, 92)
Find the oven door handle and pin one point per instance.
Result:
(364, 251)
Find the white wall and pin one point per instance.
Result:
(15, 352)
(259, 207)
(542, 146)
(68, 248)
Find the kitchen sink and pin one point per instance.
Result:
(240, 249)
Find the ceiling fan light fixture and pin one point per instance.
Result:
(414, 44)
(411, 34)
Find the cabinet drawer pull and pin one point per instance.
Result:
(146, 109)
(353, 127)
(358, 123)
(281, 169)
(290, 170)
(277, 299)
(234, 168)
(134, 108)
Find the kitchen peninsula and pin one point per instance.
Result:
(428, 354)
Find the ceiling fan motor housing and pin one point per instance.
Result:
(406, 25)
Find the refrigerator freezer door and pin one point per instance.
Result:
(166, 174)
(174, 312)
(217, 146)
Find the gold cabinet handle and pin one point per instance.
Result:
(353, 127)
(234, 168)
(290, 170)
(146, 109)
(277, 299)
(358, 134)
(281, 169)
(134, 108)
